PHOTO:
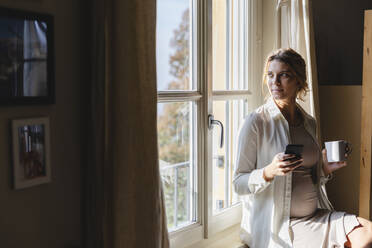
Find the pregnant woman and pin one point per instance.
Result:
(284, 198)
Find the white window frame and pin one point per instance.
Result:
(253, 22)
(283, 20)
(207, 224)
(193, 233)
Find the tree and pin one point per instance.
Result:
(179, 60)
(173, 123)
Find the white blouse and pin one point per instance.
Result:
(266, 205)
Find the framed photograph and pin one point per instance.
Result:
(31, 152)
(26, 57)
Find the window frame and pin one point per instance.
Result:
(231, 216)
(207, 224)
(194, 232)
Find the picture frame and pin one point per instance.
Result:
(26, 57)
(31, 152)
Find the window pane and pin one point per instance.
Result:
(229, 45)
(231, 114)
(239, 43)
(177, 153)
(219, 44)
(173, 47)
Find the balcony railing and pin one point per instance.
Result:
(175, 168)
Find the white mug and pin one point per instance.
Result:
(336, 150)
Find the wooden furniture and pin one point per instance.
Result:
(366, 124)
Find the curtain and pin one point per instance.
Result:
(294, 28)
(124, 202)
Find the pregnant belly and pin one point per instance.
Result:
(304, 198)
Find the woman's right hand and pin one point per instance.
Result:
(281, 165)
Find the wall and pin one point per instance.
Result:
(339, 40)
(268, 27)
(340, 115)
(339, 50)
(49, 215)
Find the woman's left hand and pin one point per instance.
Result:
(329, 167)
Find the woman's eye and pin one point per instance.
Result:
(270, 75)
(284, 75)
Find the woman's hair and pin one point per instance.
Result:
(296, 64)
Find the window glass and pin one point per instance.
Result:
(177, 146)
(173, 48)
(220, 45)
(177, 123)
(231, 114)
(229, 45)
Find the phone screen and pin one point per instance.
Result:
(295, 149)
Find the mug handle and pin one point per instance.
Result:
(348, 148)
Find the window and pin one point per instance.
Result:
(208, 55)
(283, 17)
(178, 110)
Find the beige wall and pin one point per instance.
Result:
(49, 215)
(268, 34)
(340, 115)
(268, 27)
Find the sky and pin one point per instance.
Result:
(169, 16)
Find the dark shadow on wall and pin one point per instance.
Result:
(338, 26)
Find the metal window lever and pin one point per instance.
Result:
(211, 122)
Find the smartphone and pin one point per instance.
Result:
(295, 149)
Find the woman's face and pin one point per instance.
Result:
(281, 82)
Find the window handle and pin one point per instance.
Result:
(211, 122)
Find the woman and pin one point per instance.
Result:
(284, 199)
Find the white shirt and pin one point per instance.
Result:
(266, 205)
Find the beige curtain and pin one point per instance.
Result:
(123, 191)
(294, 25)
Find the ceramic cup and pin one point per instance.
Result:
(336, 150)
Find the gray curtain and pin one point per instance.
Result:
(124, 205)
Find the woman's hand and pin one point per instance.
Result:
(281, 165)
(329, 167)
